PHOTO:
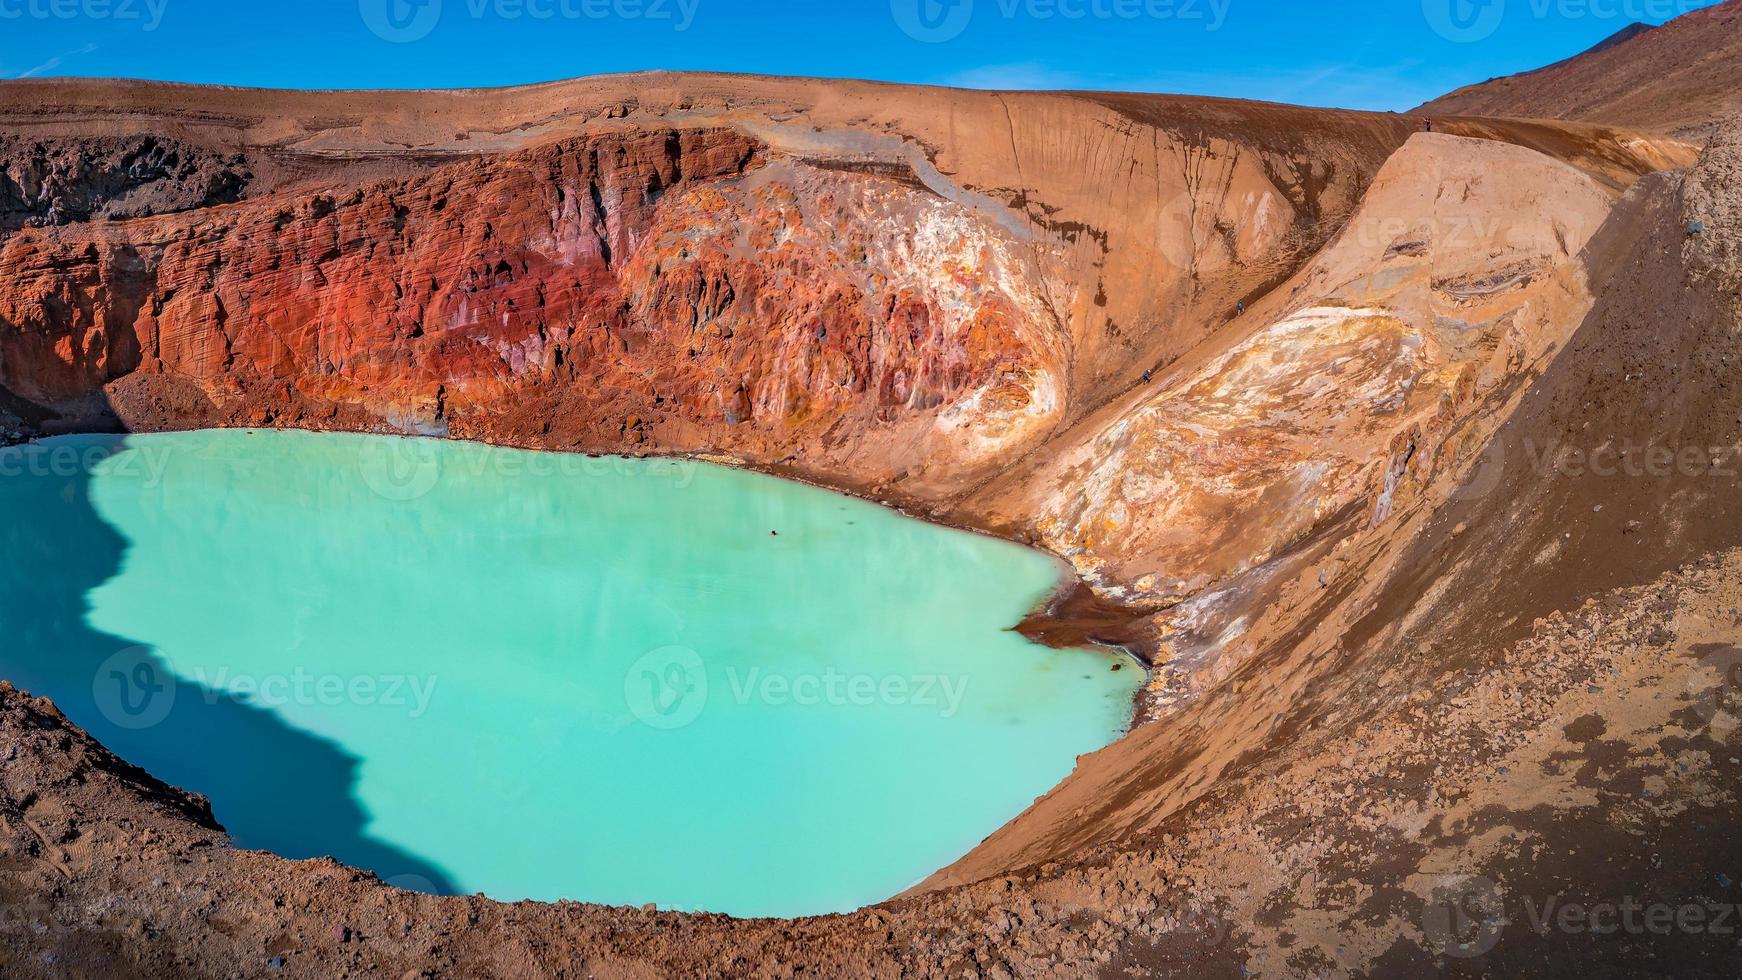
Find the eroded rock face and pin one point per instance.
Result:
(57, 182)
(797, 299)
(408, 286)
(646, 283)
(1460, 269)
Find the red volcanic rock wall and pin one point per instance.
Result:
(409, 285)
(679, 286)
(800, 298)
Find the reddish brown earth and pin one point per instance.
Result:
(1405, 635)
(1682, 78)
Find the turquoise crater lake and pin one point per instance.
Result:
(543, 676)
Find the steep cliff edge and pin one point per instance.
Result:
(1458, 271)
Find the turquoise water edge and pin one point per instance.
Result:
(543, 676)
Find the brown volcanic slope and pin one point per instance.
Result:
(1680, 78)
(1399, 647)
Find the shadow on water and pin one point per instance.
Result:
(273, 787)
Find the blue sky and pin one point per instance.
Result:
(1383, 54)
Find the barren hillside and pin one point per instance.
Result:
(1680, 78)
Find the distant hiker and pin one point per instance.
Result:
(1147, 375)
(1430, 125)
(1240, 308)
